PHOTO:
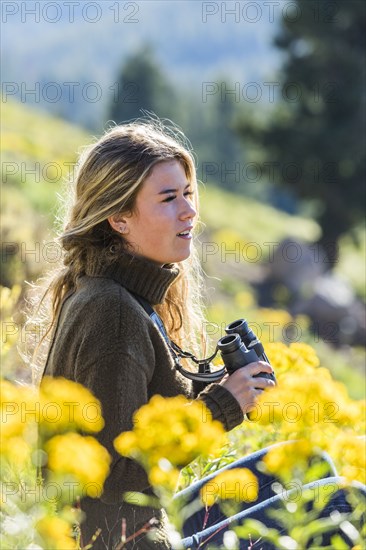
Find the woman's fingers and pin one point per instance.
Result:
(258, 367)
(262, 383)
(246, 386)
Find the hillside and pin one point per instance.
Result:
(38, 151)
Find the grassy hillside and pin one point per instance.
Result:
(254, 221)
(252, 229)
(38, 150)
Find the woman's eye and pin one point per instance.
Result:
(172, 197)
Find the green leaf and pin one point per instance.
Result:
(251, 527)
(338, 543)
(140, 499)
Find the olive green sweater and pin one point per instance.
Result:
(106, 341)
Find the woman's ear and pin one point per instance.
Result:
(118, 223)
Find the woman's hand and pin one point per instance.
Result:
(244, 387)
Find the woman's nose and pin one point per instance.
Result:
(188, 212)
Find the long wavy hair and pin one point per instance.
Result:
(106, 181)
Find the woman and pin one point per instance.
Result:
(128, 241)
(129, 230)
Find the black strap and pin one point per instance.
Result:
(204, 370)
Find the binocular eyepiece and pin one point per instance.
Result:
(240, 347)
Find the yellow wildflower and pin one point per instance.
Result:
(15, 401)
(126, 444)
(298, 357)
(284, 460)
(350, 453)
(244, 299)
(170, 428)
(165, 476)
(82, 457)
(55, 533)
(279, 316)
(238, 484)
(304, 404)
(67, 405)
(8, 328)
(279, 357)
(304, 354)
(232, 239)
(17, 451)
(17, 432)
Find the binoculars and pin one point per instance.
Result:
(240, 347)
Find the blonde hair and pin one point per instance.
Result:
(106, 181)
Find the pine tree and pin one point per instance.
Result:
(316, 138)
(142, 86)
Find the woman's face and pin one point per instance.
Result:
(164, 210)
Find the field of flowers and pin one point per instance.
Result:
(49, 455)
(47, 464)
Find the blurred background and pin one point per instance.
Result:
(272, 98)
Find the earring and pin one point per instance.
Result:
(122, 229)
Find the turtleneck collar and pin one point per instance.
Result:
(136, 274)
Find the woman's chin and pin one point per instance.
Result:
(181, 257)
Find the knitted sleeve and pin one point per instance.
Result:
(222, 405)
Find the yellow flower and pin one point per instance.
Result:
(171, 428)
(56, 534)
(82, 457)
(232, 239)
(8, 300)
(126, 443)
(284, 460)
(165, 476)
(15, 401)
(305, 405)
(17, 431)
(17, 451)
(244, 299)
(61, 405)
(238, 484)
(349, 451)
(67, 405)
(298, 357)
(304, 354)
(279, 316)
